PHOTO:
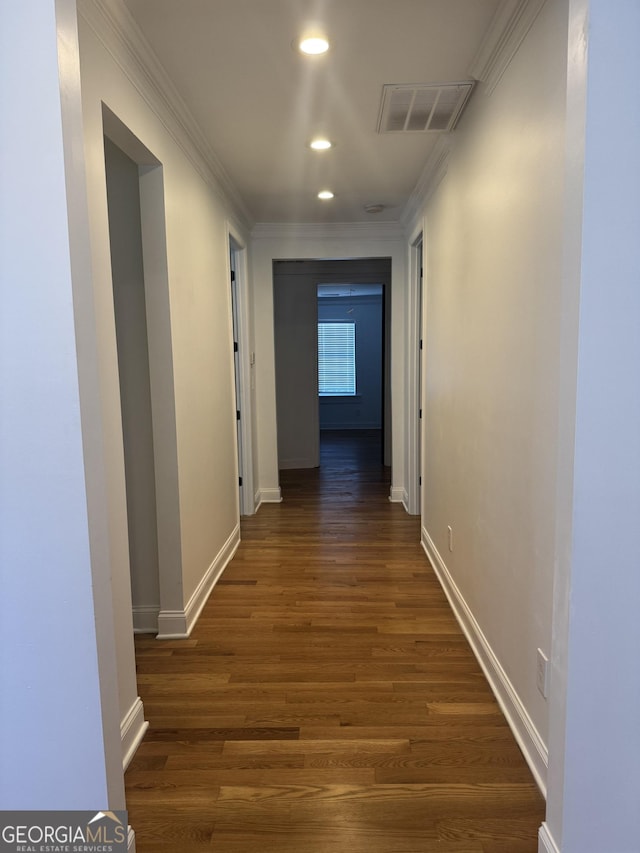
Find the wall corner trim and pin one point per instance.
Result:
(178, 624)
(145, 618)
(546, 842)
(507, 31)
(119, 33)
(405, 503)
(132, 730)
(398, 495)
(269, 496)
(521, 724)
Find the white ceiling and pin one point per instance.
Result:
(259, 101)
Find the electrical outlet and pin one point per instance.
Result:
(542, 673)
(450, 538)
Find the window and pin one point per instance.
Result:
(337, 359)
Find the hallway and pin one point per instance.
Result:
(327, 699)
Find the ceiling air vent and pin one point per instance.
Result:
(422, 107)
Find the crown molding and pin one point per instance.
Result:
(121, 36)
(507, 31)
(434, 171)
(379, 231)
(510, 25)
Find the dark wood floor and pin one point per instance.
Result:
(327, 700)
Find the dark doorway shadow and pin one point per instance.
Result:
(351, 476)
(353, 452)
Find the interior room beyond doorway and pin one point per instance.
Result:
(312, 294)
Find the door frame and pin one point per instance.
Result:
(244, 364)
(338, 270)
(161, 374)
(416, 348)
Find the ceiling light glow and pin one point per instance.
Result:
(321, 144)
(314, 45)
(325, 194)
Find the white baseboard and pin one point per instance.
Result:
(172, 625)
(131, 841)
(398, 495)
(521, 724)
(269, 496)
(178, 624)
(546, 843)
(145, 619)
(132, 729)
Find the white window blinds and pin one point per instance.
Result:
(337, 359)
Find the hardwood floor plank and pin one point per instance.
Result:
(293, 840)
(493, 832)
(195, 760)
(327, 699)
(496, 732)
(214, 778)
(333, 745)
(174, 830)
(228, 735)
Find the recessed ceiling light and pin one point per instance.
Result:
(320, 144)
(325, 194)
(314, 45)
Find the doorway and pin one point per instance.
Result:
(135, 205)
(243, 363)
(297, 309)
(351, 371)
(129, 303)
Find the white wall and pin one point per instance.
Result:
(594, 760)
(493, 252)
(59, 736)
(338, 242)
(197, 339)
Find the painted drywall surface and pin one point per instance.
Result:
(204, 372)
(296, 355)
(106, 413)
(133, 368)
(365, 410)
(199, 301)
(594, 785)
(289, 241)
(493, 251)
(52, 729)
